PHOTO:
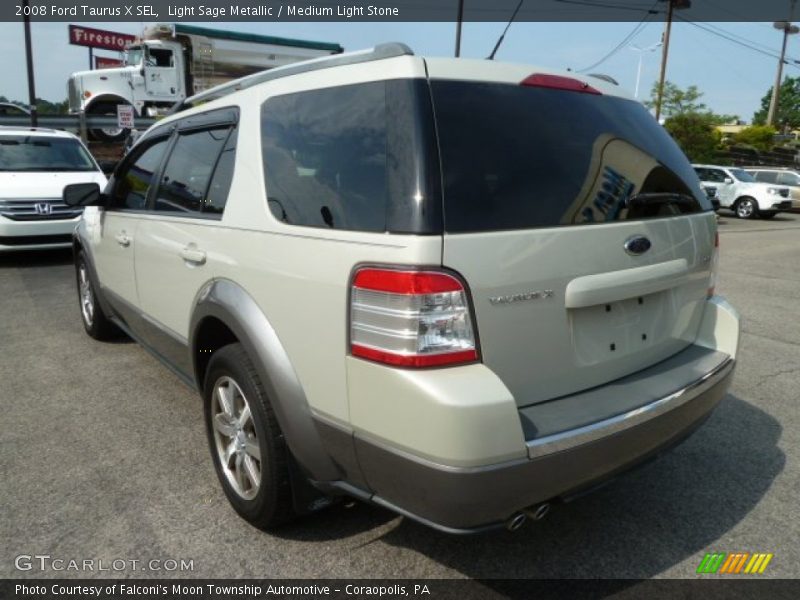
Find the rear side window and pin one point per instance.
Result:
(189, 170)
(516, 157)
(765, 176)
(325, 157)
(357, 157)
(788, 179)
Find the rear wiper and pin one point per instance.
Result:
(661, 198)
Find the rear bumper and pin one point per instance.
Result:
(564, 445)
(463, 499)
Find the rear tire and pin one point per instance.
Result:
(248, 449)
(746, 208)
(95, 322)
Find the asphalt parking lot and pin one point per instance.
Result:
(103, 456)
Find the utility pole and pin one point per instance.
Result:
(26, 20)
(673, 5)
(641, 52)
(459, 22)
(788, 29)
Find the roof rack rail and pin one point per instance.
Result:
(379, 52)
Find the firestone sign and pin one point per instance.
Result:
(99, 38)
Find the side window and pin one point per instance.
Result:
(159, 57)
(766, 176)
(190, 165)
(220, 185)
(787, 179)
(324, 154)
(136, 179)
(702, 174)
(718, 176)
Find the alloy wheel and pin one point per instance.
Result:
(235, 438)
(86, 296)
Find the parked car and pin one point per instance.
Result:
(738, 191)
(11, 109)
(461, 324)
(780, 176)
(35, 165)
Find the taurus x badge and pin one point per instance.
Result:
(43, 208)
(637, 245)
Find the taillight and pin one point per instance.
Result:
(712, 281)
(559, 82)
(410, 318)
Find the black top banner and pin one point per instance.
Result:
(103, 11)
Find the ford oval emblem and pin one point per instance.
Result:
(637, 245)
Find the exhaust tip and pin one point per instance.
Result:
(516, 521)
(539, 512)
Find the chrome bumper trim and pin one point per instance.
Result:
(583, 435)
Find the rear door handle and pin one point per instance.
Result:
(123, 239)
(192, 255)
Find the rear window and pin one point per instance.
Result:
(30, 153)
(516, 157)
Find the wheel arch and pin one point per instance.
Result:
(225, 313)
(107, 99)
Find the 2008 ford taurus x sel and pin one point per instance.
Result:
(457, 289)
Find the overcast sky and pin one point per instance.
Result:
(733, 78)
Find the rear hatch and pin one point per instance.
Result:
(579, 226)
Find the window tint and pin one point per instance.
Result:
(189, 169)
(714, 175)
(137, 178)
(220, 185)
(325, 157)
(516, 157)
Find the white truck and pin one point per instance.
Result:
(172, 62)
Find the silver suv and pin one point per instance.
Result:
(781, 176)
(461, 290)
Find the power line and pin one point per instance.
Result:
(627, 7)
(636, 31)
(734, 40)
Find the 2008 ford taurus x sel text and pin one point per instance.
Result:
(457, 289)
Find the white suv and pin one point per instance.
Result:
(738, 191)
(35, 165)
(458, 289)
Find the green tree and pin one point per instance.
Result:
(43, 107)
(760, 137)
(788, 115)
(696, 135)
(676, 101)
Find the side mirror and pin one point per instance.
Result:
(107, 166)
(82, 194)
(728, 180)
